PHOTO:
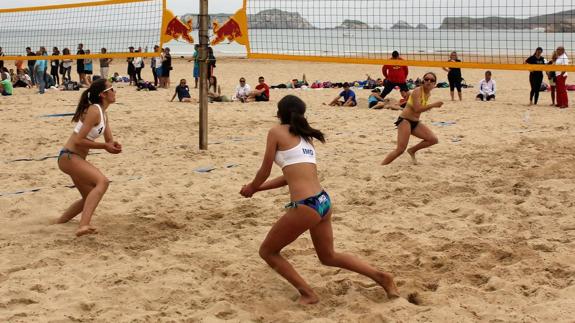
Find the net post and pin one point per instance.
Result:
(203, 33)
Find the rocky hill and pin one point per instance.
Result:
(266, 19)
(557, 22)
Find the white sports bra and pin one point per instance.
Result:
(98, 130)
(302, 153)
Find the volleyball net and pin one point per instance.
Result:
(495, 34)
(114, 25)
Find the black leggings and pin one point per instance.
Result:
(536, 79)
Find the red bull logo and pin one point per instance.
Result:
(230, 30)
(176, 29)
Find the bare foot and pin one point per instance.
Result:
(85, 229)
(386, 281)
(412, 155)
(308, 298)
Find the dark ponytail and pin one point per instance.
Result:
(90, 96)
(291, 111)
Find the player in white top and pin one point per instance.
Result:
(92, 122)
(290, 145)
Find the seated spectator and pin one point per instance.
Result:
(5, 85)
(242, 91)
(348, 97)
(215, 91)
(486, 88)
(23, 80)
(297, 84)
(183, 92)
(261, 93)
(377, 102)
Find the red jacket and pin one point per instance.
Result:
(395, 74)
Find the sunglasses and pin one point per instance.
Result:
(242, 81)
(111, 88)
(427, 79)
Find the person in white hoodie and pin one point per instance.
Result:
(562, 59)
(486, 88)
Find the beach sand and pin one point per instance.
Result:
(481, 231)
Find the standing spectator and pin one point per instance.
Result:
(535, 77)
(131, 67)
(40, 72)
(66, 68)
(138, 65)
(562, 59)
(19, 65)
(1, 61)
(154, 63)
(31, 64)
(395, 75)
(552, 77)
(454, 77)
(166, 67)
(88, 68)
(104, 64)
(196, 65)
(55, 66)
(80, 64)
(486, 88)
(211, 62)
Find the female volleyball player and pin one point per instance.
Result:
(408, 122)
(289, 144)
(92, 122)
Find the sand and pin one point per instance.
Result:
(481, 231)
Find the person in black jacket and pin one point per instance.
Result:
(535, 77)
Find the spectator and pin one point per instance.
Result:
(155, 62)
(215, 92)
(1, 61)
(88, 68)
(454, 77)
(19, 65)
(166, 67)
(23, 80)
(80, 65)
(395, 75)
(261, 93)
(66, 67)
(348, 97)
(486, 88)
(40, 72)
(31, 64)
(535, 77)
(196, 59)
(211, 62)
(183, 92)
(242, 91)
(5, 85)
(562, 59)
(138, 65)
(55, 66)
(131, 67)
(105, 64)
(552, 77)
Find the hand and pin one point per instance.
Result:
(112, 148)
(438, 104)
(117, 145)
(247, 190)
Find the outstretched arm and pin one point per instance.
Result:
(277, 182)
(265, 169)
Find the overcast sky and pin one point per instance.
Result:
(328, 13)
(177, 6)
